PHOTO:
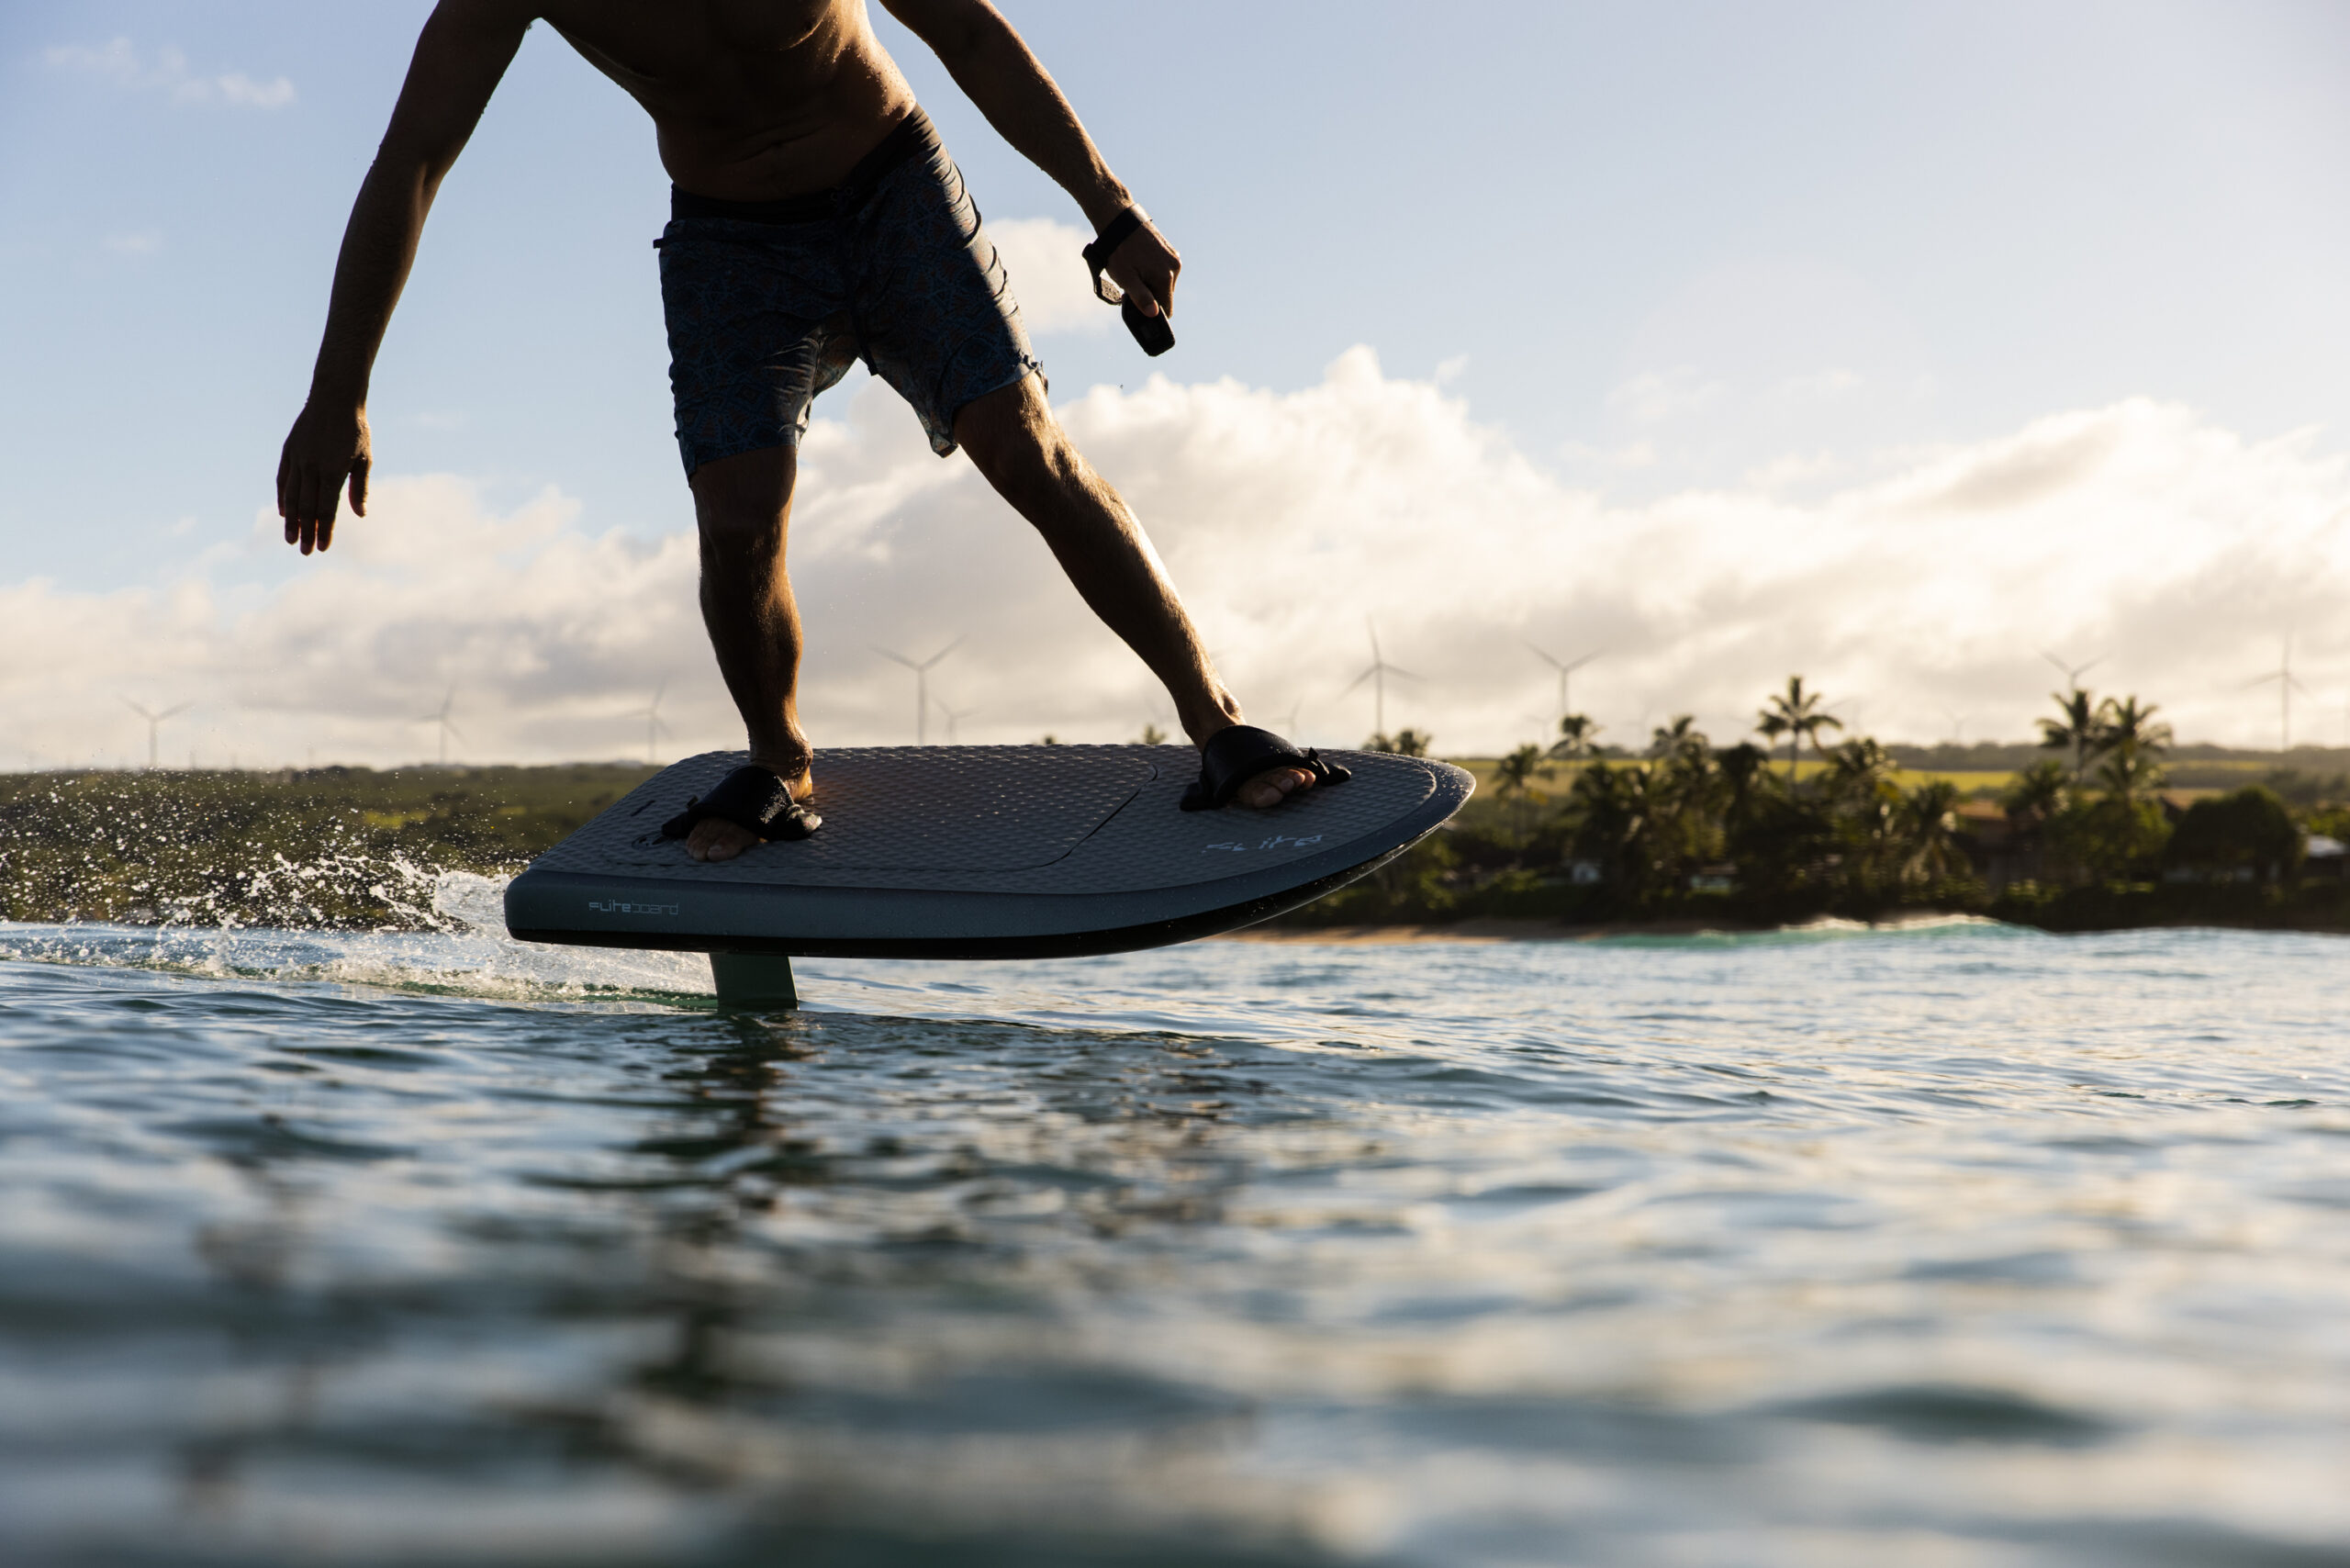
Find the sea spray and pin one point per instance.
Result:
(332, 849)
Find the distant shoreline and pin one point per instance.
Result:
(1494, 931)
(1484, 931)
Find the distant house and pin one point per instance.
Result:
(2323, 855)
(2002, 851)
(1987, 820)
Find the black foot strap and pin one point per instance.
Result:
(1234, 756)
(752, 799)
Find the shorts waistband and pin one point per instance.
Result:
(912, 137)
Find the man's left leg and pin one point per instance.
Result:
(1014, 441)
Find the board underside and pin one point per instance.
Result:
(977, 852)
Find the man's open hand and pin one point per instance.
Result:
(1145, 265)
(325, 448)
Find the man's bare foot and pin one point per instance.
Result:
(1273, 786)
(714, 839)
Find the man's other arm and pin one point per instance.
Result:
(997, 70)
(464, 49)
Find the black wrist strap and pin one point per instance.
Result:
(1115, 233)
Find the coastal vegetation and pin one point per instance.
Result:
(2086, 829)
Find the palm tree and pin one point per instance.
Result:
(1740, 766)
(1859, 783)
(2038, 793)
(1929, 830)
(1518, 769)
(1611, 823)
(2131, 730)
(2128, 775)
(1858, 769)
(2082, 727)
(1796, 714)
(1514, 772)
(1680, 738)
(1578, 732)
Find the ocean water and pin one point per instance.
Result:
(1951, 1245)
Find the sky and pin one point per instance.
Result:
(1892, 345)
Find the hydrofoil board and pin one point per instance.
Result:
(976, 852)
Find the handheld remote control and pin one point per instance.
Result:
(1151, 332)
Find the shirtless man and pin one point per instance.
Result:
(816, 219)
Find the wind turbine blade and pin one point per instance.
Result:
(942, 652)
(1395, 669)
(169, 712)
(2064, 669)
(1372, 627)
(1582, 661)
(139, 710)
(1359, 681)
(1547, 658)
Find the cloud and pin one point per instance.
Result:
(1653, 397)
(1048, 276)
(118, 62)
(2139, 530)
(1831, 383)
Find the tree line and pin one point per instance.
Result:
(1760, 827)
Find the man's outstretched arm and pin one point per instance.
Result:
(998, 72)
(464, 49)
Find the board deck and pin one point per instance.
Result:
(971, 852)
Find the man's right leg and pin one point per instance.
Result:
(742, 509)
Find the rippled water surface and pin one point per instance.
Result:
(1952, 1246)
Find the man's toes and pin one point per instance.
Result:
(1269, 787)
(714, 840)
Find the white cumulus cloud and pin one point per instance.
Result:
(1050, 276)
(167, 72)
(2184, 551)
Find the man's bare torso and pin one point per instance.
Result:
(753, 99)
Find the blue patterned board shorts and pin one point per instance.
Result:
(769, 303)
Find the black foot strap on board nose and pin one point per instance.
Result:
(752, 799)
(1233, 756)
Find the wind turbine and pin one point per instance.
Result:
(2072, 673)
(1377, 674)
(154, 722)
(953, 717)
(1565, 668)
(922, 684)
(441, 716)
(2286, 685)
(651, 714)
